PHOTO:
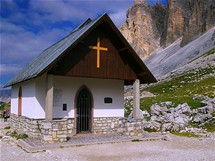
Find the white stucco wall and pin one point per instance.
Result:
(14, 99)
(33, 98)
(34, 92)
(28, 98)
(100, 88)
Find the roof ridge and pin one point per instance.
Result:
(81, 25)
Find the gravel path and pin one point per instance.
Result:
(177, 149)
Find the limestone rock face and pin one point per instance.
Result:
(143, 27)
(200, 18)
(148, 28)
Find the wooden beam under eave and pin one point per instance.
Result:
(142, 74)
(122, 49)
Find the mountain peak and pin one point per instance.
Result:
(149, 28)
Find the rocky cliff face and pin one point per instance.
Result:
(147, 28)
(143, 27)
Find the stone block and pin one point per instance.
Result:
(130, 128)
(59, 132)
(54, 134)
(47, 125)
(112, 125)
(47, 137)
(63, 139)
(62, 136)
(132, 134)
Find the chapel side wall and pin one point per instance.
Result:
(28, 98)
(14, 99)
(40, 95)
(100, 88)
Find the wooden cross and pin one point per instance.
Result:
(98, 48)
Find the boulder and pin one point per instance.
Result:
(178, 127)
(200, 118)
(183, 109)
(168, 117)
(157, 110)
(166, 127)
(145, 113)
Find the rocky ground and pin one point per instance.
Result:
(202, 62)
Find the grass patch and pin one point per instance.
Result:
(181, 89)
(150, 130)
(136, 140)
(210, 125)
(185, 134)
(14, 134)
(7, 127)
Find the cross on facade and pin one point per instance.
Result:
(98, 48)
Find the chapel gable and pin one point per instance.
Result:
(83, 60)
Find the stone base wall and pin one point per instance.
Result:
(108, 124)
(134, 128)
(57, 130)
(119, 125)
(49, 131)
(62, 129)
(23, 124)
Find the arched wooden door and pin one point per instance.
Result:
(84, 110)
(20, 102)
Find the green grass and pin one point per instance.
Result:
(136, 140)
(186, 134)
(150, 130)
(181, 89)
(7, 127)
(210, 126)
(5, 106)
(14, 134)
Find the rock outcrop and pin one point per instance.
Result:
(148, 28)
(162, 118)
(144, 26)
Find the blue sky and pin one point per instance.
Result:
(27, 27)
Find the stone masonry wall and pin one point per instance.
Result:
(107, 124)
(23, 124)
(119, 125)
(49, 131)
(62, 129)
(57, 130)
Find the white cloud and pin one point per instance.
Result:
(9, 69)
(21, 46)
(67, 10)
(58, 10)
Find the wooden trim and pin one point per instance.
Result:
(75, 109)
(142, 74)
(122, 49)
(20, 101)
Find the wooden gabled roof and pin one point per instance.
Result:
(50, 56)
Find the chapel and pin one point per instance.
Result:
(77, 85)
